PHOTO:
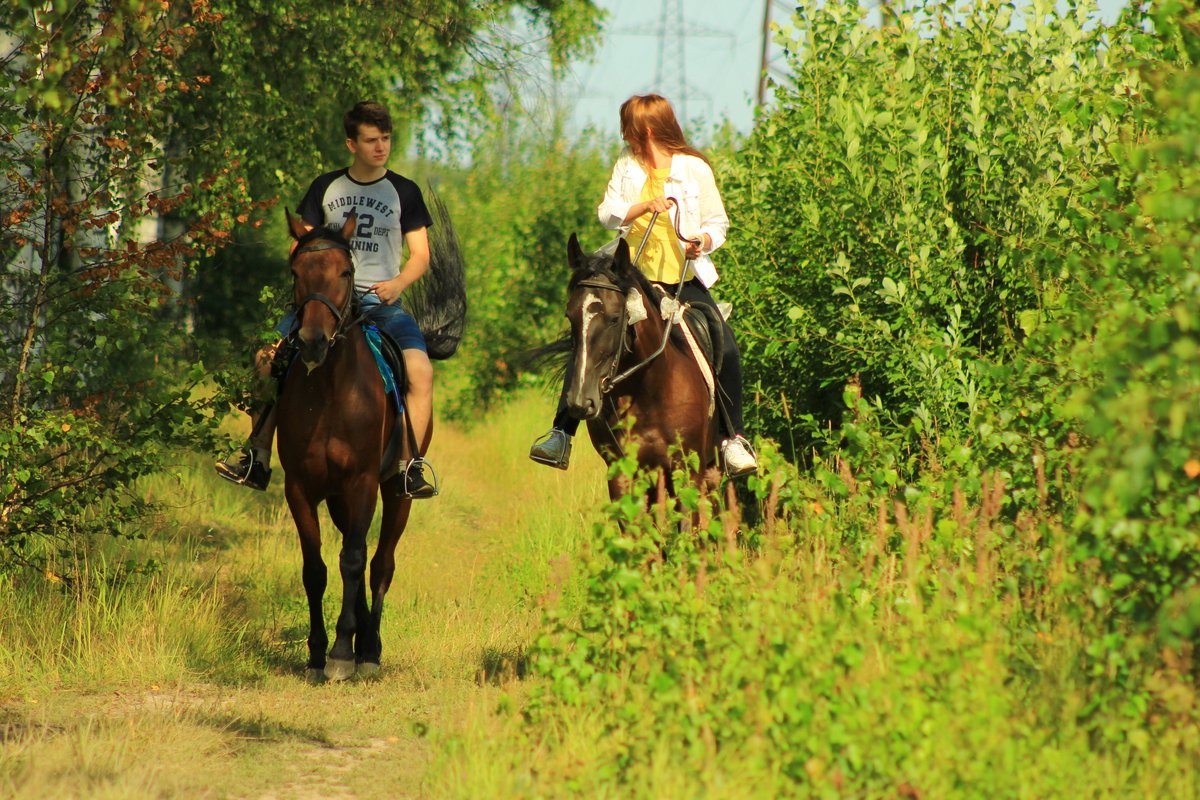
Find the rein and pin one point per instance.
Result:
(611, 380)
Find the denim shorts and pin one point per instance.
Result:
(391, 319)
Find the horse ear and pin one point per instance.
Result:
(574, 252)
(295, 224)
(350, 224)
(621, 262)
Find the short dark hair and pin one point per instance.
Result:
(366, 112)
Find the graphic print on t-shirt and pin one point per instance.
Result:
(387, 209)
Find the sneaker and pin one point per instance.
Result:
(738, 457)
(553, 449)
(415, 485)
(247, 471)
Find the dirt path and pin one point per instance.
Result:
(464, 604)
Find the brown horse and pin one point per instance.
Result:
(334, 425)
(617, 372)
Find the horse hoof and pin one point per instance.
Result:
(314, 675)
(367, 670)
(338, 670)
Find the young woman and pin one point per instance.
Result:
(658, 164)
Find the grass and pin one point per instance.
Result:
(532, 651)
(188, 681)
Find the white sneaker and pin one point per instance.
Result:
(738, 457)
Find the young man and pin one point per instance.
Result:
(391, 215)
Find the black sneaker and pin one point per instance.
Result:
(247, 471)
(415, 485)
(553, 449)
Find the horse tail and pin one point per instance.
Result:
(438, 301)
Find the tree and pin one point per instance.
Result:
(87, 403)
(135, 136)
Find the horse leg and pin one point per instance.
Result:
(618, 487)
(359, 507)
(383, 569)
(314, 573)
(340, 514)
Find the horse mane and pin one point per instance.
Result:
(321, 232)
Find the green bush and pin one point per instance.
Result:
(889, 651)
(515, 206)
(903, 211)
(986, 230)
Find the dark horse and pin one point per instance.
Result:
(334, 425)
(616, 371)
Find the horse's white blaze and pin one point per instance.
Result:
(590, 301)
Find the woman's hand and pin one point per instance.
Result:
(659, 204)
(694, 249)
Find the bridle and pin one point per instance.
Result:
(611, 379)
(608, 381)
(327, 242)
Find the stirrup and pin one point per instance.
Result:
(543, 450)
(420, 463)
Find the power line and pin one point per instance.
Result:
(673, 34)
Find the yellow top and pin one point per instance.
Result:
(662, 260)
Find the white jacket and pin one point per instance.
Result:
(691, 183)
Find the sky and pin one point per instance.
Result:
(707, 62)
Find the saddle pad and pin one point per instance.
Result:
(705, 368)
(385, 369)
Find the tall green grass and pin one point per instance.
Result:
(850, 652)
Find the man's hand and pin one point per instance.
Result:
(388, 291)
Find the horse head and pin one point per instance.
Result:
(597, 311)
(323, 285)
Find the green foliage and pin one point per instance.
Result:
(985, 229)
(1119, 361)
(95, 378)
(900, 211)
(521, 198)
(863, 649)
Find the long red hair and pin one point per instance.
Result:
(651, 114)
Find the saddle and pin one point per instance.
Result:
(708, 329)
(701, 331)
(706, 341)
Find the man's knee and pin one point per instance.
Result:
(420, 370)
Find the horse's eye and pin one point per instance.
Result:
(346, 274)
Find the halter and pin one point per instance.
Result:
(329, 240)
